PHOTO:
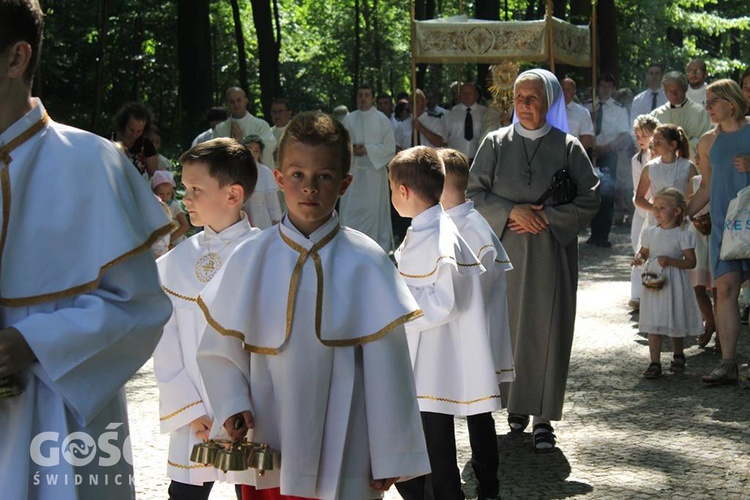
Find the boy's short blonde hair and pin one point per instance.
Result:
(456, 168)
(228, 161)
(315, 128)
(421, 170)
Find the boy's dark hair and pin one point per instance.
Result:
(283, 100)
(421, 170)
(22, 21)
(216, 114)
(363, 86)
(254, 139)
(315, 128)
(228, 161)
(456, 167)
(609, 78)
(129, 110)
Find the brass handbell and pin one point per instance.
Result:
(232, 459)
(260, 457)
(205, 453)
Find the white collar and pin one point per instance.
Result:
(461, 210)
(291, 231)
(532, 134)
(427, 217)
(22, 124)
(227, 234)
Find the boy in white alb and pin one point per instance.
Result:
(218, 175)
(450, 347)
(487, 247)
(306, 343)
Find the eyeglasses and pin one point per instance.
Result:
(711, 102)
(694, 71)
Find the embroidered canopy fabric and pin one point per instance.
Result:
(462, 40)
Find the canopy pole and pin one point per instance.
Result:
(551, 35)
(414, 132)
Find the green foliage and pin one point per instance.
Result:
(673, 33)
(317, 46)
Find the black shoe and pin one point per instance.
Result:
(603, 244)
(745, 314)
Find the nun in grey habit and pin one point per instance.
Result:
(512, 169)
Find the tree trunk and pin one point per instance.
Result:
(268, 55)
(137, 67)
(240, 39)
(607, 31)
(277, 47)
(580, 11)
(101, 52)
(357, 50)
(194, 64)
(378, 83)
(559, 8)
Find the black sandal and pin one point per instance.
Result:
(678, 364)
(517, 423)
(653, 371)
(544, 438)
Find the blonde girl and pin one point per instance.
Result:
(644, 127)
(671, 311)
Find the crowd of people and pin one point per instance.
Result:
(284, 318)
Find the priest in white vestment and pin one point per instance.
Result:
(242, 124)
(365, 206)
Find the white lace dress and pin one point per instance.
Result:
(673, 310)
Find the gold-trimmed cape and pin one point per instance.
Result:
(97, 211)
(348, 284)
(421, 267)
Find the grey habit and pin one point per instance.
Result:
(542, 285)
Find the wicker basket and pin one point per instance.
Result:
(653, 281)
(703, 223)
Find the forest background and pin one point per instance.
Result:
(179, 56)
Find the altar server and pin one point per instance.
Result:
(450, 347)
(218, 176)
(81, 308)
(306, 344)
(487, 247)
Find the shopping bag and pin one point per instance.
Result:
(735, 241)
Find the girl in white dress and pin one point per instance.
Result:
(644, 127)
(672, 311)
(671, 167)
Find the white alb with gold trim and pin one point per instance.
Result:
(486, 245)
(182, 396)
(77, 280)
(450, 346)
(325, 365)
